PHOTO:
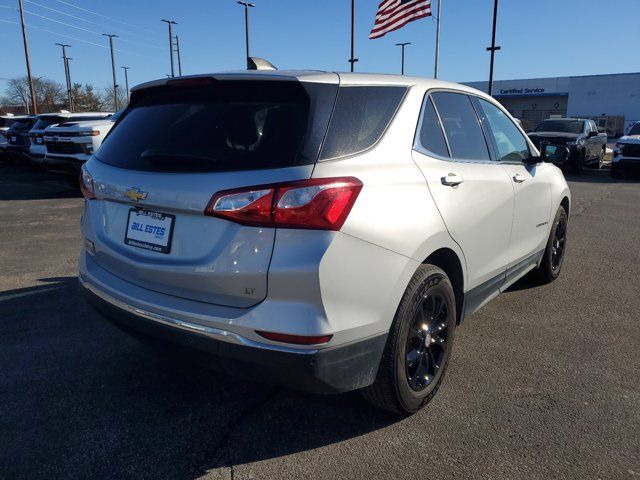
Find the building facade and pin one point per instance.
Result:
(613, 101)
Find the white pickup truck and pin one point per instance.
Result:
(70, 144)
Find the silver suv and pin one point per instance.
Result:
(323, 231)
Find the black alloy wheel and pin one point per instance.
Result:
(427, 341)
(419, 345)
(559, 242)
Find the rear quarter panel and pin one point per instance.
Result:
(393, 227)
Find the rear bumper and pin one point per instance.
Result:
(322, 371)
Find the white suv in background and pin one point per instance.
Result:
(70, 144)
(324, 231)
(37, 149)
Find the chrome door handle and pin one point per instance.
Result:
(519, 178)
(451, 180)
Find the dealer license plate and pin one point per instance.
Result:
(149, 230)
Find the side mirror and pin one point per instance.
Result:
(592, 134)
(554, 153)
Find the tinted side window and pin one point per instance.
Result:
(360, 117)
(430, 136)
(461, 126)
(510, 143)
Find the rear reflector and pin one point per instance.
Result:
(295, 339)
(86, 184)
(318, 203)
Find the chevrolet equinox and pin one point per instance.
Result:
(326, 232)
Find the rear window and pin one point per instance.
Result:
(230, 125)
(23, 124)
(6, 122)
(44, 122)
(359, 119)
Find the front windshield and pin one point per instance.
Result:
(561, 126)
(635, 130)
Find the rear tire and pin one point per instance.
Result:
(553, 257)
(419, 345)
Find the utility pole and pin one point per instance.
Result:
(247, 6)
(402, 45)
(34, 107)
(66, 73)
(435, 70)
(71, 104)
(113, 70)
(353, 59)
(170, 23)
(126, 80)
(179, 60)
(493, 48)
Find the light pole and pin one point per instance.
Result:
(126, 80)
(34, 106)
(402, 45)
(247, 5)
(113, 70)
(493, 48)
(67, 75)
(179, 60)
(170, 23)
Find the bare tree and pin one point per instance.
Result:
(49, 93)
(107, 98)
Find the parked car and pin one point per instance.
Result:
(587, 145)
(37, 148)
(626, 154)
(324, 231)
(18, 140)
(5, 122)
(70, 144)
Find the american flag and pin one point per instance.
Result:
(395, 14)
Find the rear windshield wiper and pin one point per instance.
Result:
(162, 156)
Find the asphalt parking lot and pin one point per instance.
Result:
(544, 381)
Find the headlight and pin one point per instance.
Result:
(93, 133)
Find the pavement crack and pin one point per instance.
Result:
(222, 459)
(582, 206)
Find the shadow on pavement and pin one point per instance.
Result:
(17, 182)
(600, 176)
(80, 399)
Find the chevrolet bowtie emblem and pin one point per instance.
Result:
(136, 194)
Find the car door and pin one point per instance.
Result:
(531, 184)
(473, 194)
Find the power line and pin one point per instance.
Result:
(78, 39)
(83, 29)
(104, 16)
(94, 23)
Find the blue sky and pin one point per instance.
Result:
(540, 38)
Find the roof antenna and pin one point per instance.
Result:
(256, 63)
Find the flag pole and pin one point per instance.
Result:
(435, 71)
(353, 60)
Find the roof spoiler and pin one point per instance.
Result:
(257, 63)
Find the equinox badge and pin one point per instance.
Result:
(135, 194)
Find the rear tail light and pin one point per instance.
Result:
(295, 339)
(319, 204)
(86, 184)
